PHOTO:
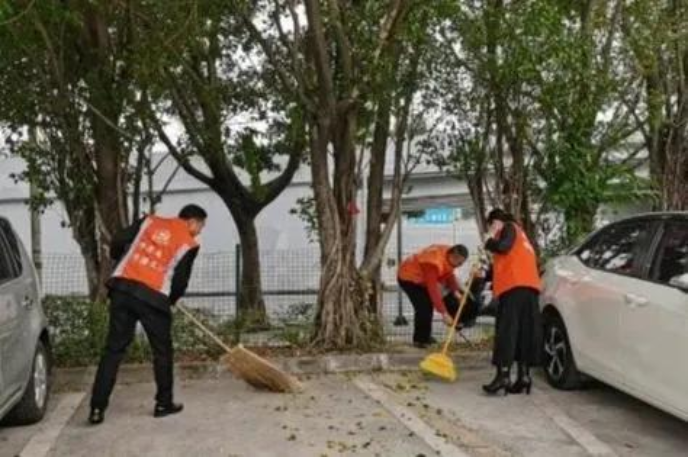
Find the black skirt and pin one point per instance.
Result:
(518, 328)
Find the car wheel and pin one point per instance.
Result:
(33, 404)
(560, 367)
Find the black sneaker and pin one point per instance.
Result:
(96, 417)
(166, 410)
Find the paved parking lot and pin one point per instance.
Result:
(390, 414)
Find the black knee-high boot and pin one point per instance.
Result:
(523, 382)
(501, 381)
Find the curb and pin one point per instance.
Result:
(71, 379)
(348, 363)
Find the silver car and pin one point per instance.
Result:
(24, 340)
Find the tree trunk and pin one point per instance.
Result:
(675, 176)
(376, 178)
(476, 188)
(110, 186)
(250, 303)
(110, 196)
(83, 230)
(343, 319)
(136, 196)
(675, 179)
(667, 145)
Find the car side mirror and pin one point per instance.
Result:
(680, 282)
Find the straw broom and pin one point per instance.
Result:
(247, 365)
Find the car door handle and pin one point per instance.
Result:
(636, 301)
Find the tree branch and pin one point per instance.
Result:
(396, 12)
(607, 48)
(393, 17)
(290, 45)
(148, 116)
(19, 15)
(320, 46)
(343, 43)
(186, 112)
(275, 187)
(374, 257)
(299, 91)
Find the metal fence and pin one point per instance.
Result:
(290, 281)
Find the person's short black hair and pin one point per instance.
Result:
(499, 214)
(193, 212)
(459, 249)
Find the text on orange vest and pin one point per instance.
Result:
(157, 249)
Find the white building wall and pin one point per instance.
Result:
(278, 229)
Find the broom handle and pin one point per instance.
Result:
(464, 299)
(189, 315)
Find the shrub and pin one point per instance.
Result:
(79, 327)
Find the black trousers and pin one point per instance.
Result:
(125, 312)
(518, 328)
(423, 309)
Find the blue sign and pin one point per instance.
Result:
(435, 216)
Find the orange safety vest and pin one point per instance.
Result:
(159, 245)
(516, 268)
(411, 269)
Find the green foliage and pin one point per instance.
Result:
(197, 66)
(550, 79)
(79, 328)
(305, 210)
(297, 325)
(6, 11)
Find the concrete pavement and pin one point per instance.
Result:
(383, 414)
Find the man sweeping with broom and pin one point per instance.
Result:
(154, 261)
(422, 277)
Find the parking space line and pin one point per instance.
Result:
(409, 419)
(44, 439)
(586, 439)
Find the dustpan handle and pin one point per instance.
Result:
(464, 299)
(189, 315)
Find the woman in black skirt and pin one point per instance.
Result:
(516, 284)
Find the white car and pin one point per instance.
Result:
(616, 309)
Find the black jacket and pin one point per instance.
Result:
(504, 242)
(120, 245)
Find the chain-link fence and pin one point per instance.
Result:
(290, 283)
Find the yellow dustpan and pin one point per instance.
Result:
(439, 363)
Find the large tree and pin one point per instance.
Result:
(484, 136)
(239, 136)
(584, 151)
(539, 104)
(335, 58)
(66, 75)
(657, 34)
